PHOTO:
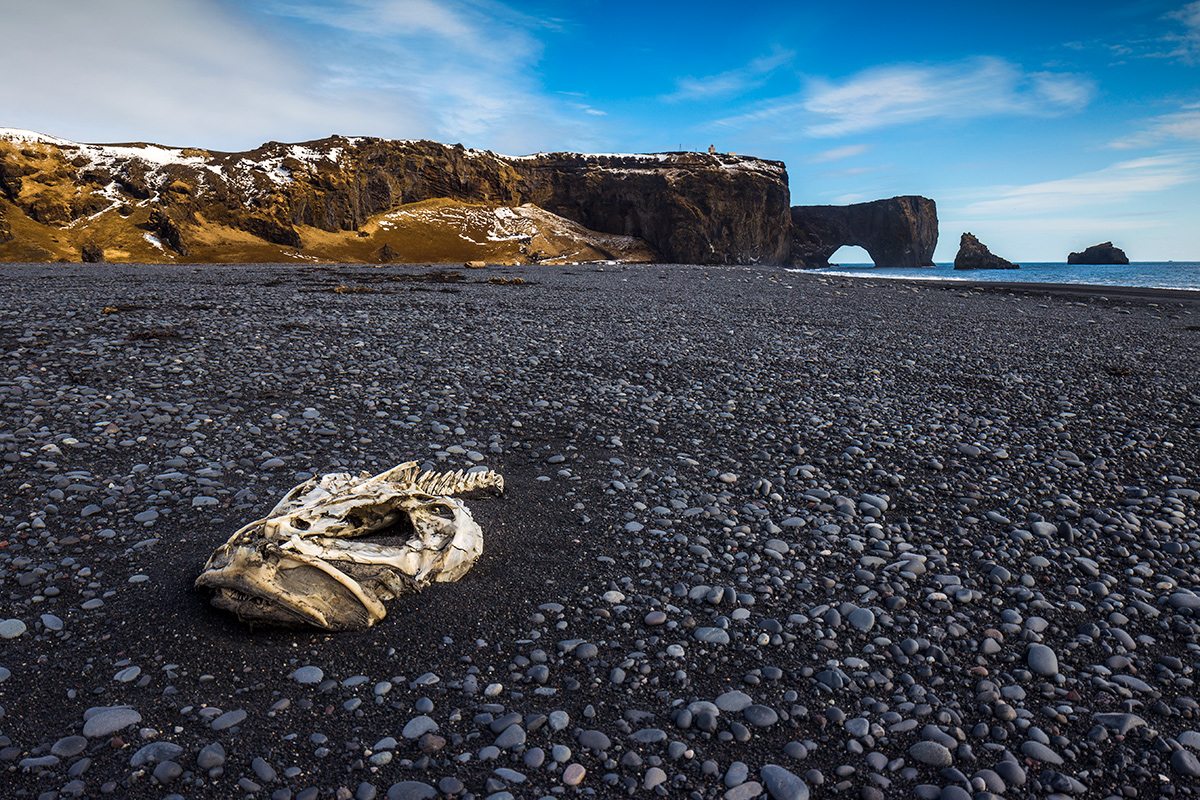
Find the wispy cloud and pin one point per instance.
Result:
(220, 74)
(902, 94)
(910, 93)
(731, 83)
(838, 153)
(1183, 126)
(1119, 183)
(1186, 44)
(852, 172)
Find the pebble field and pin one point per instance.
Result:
(765, 534)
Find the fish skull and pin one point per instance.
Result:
(308, 561)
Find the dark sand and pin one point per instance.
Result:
(652, 382)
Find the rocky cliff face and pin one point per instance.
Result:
(1103, 253)
(974, 254)
(319, 199)
(897, 232)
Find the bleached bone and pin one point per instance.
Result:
(305, 563)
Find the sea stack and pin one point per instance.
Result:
(974, 254)
(896, 232)
(1103, 253)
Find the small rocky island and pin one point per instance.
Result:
(974, 254)
(1103, 253)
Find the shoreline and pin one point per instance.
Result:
(759, 526)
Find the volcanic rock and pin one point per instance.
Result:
(974, 254)
(1103, 253)
(897, 232)
(327, 199)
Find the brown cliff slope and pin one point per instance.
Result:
(325, 199)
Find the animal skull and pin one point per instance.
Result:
(303, 564)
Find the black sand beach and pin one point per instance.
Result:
(765, 533)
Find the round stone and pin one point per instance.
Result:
(11, 628)
(711, 635)
(410, 790)
(862, 618)
(418, 727)
(1185, 763)
(308, 675)
(511, 737)
(760, 716)
(154, 753)
(1042, 660)
(128, 674)
(932, 754)
(573, 775)
(594, 740)
(1040, 752)
(228, 720)
(733, 701)
(71, 746)
(212, 755)
(783, 784)
(109, 721)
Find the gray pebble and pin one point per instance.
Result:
(156, 752)
(211, 755)
(931, 753)
(228, 720)
(109, 721)
(308, 675)
(418, 727)
(1042, 660)
(1185, 762)
(782, 784)
(11, 628)
(1040, 752)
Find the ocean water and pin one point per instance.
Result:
(1151, 274)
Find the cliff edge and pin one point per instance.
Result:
(326, 200)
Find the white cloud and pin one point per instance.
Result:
(134, 69)
(210, 73)
(838, 153)
(909, 93)
(852, 172)
(732, 82)
(1183, 126)
(900, 94)
(1187, 43)
(1119, 183)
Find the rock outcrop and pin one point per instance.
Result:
(898, 232)
(974, 254)
(323, 198)
(1103, 253)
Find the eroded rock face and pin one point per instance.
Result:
(703, 208)
(897, 232)
(336, 547)
(974, 254)
(1103, 253)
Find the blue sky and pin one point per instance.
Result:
(1040, 127)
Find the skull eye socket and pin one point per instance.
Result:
(441, 510)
